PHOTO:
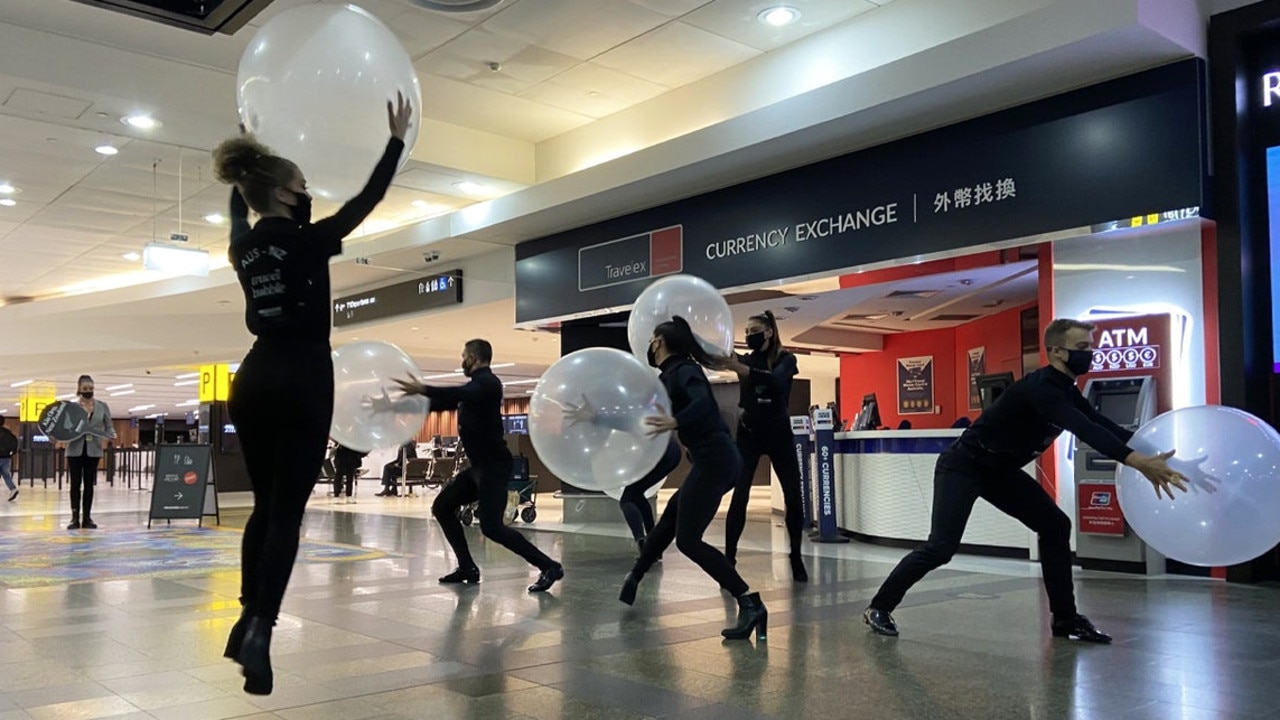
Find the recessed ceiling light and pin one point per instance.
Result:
(468, 186)
(214, 218)
(778, 16)
(142, 122)
(8, 202)
(131, 256)
(7, 189)
(106, 150)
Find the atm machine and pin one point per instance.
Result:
(1104, 540)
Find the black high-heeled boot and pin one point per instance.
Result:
(798, 571)
(629, 586)
(236, 638)
(255, 656)
(752, 615)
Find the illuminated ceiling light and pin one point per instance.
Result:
(131, 256)
(21, 383)
(170, 259)
(214, 218)
(780, 16)
(107, 150)
(7, 189)
(469, 187)
(142, 122)
(8, 202)
(122, 392)
(187, 376)
(125, 386)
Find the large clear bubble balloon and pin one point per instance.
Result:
(616, 493)
(368, 410)
(692, 298)
(1228, 515)
(586, 419)
(313, 86)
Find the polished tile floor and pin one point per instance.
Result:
(369, 635)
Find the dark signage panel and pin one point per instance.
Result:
(406, 298)
(183, 485)
(1133, 146)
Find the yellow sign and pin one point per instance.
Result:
(35, 398)
(215, 382)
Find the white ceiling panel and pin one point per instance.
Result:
(578, 28)
(465, 105)
(593, 90)
(671, 8)
(738, 20)
(71, 217)
(676, 54)
(522, 65)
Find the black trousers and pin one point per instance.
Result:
(83, 472)
(958, 482)
(344, 477)
(775, 440)
(391, 475)
(281, 404)
(685, 519)
(635, 506)
(485, 483)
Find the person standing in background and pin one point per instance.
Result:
(83, 455)
(8, 446)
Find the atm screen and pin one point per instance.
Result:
(1121, 408)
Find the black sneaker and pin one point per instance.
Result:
(547, 578)
(881, 622)
(462, 576)
(13, 495)
(1079, 628)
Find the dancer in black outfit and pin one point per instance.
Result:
(765, 429)
(479, 405)
(635, 506)
(987, 461)
(282, 397)
(716, 466)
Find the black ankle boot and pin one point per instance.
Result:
(75, 522)
(798, 571)
(236, 638)
(751, 616)
(255, 656)
(629, 586)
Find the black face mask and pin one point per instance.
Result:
(302, 211)
(1079, 362)
(87, 395)
(652, 356)
(756, 341)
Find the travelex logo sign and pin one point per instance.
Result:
(636, 257)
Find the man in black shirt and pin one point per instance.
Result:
(986, 463)
(479, 405)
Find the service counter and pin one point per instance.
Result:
(884, 491)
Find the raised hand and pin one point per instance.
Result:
(398, 116)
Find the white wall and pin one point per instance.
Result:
(1145, 270)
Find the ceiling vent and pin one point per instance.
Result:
(921, 294)
(456, 6)
(203, 16)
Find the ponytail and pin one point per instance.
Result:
(681, 341)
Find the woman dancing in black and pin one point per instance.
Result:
(765, 429)
(716, 466)
(282, 396)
